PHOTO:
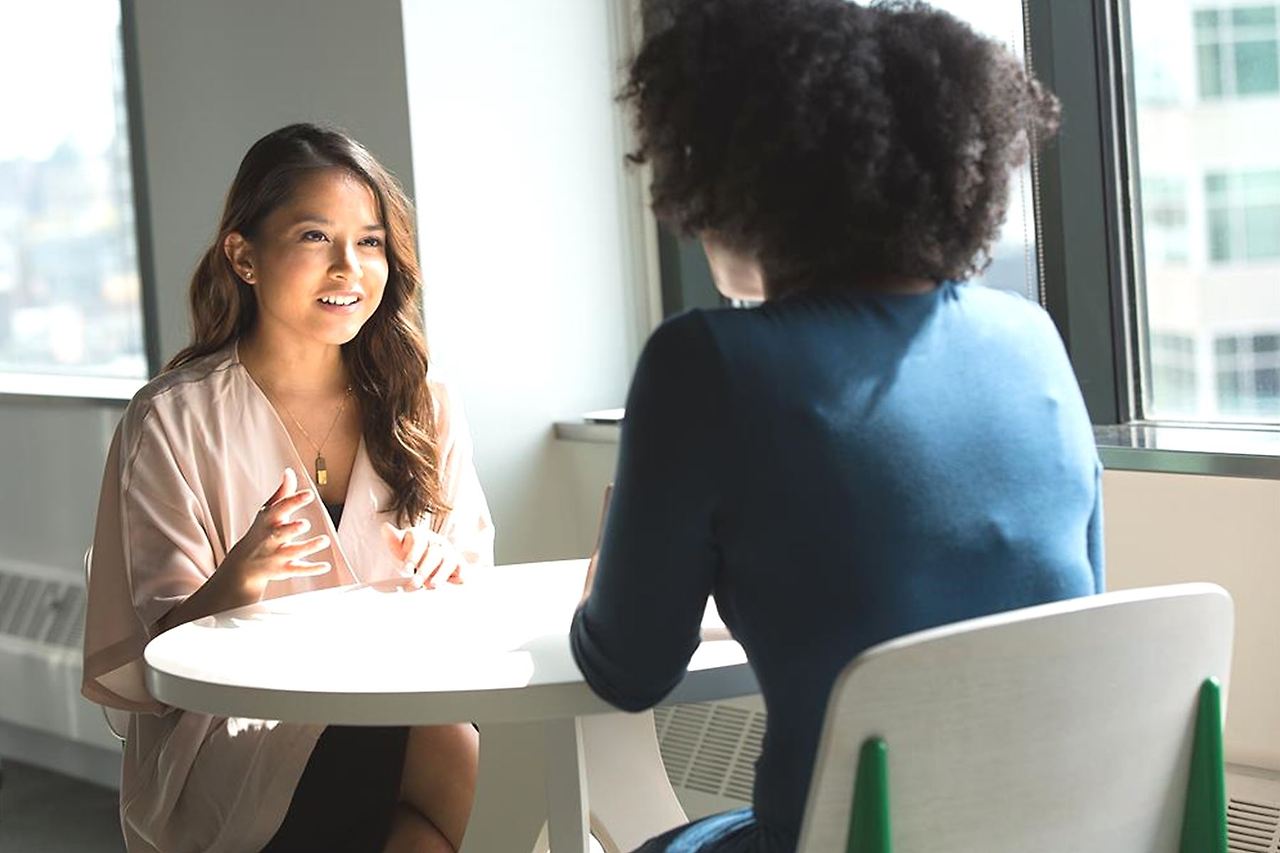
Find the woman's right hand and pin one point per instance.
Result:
(272, 548)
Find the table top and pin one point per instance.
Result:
(494, 649)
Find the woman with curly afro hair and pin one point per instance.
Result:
(877, 449)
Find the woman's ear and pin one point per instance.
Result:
(240, 253)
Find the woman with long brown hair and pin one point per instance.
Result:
(307, 366)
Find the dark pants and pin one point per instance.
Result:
(348, 792)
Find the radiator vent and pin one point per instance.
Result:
(1253, 827)
(44, 610)
(711, 747)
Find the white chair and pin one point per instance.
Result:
(117, 720)
(1063, 728)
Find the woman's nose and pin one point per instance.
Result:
(347, 263)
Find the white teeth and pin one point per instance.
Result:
(339, 300)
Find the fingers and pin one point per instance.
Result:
(394, 537)
(415, 545)
(306, 569)
(291, 530)
(288, 485)
(440, 564)
(429, 558)
(432, 569)
(293, 562)
(305, 548)
(282, 510)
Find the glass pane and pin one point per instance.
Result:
(1224, 291)
(1260, 188)
(1268, 382)
(1014, 264)
(1206, 25)
(69, 289)
(1262, 233)
(1172, 362)
(1209, 62)
(1219, 236)
(1254, 16)
(1257, 67)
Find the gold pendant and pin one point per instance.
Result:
(322, 473)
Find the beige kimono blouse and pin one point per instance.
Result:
(198, 451)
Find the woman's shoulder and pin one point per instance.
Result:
(180, 389)
(1000, 306)
(446, 406)
(690, 334)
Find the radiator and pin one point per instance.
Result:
(710, 750)
(41, 632)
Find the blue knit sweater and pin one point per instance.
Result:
(836, 469)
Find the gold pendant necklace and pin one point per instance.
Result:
(322, 471)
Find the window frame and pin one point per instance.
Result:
(1089, 262)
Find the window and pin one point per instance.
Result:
(1206, 169)
(1164, 212)
(1243, 213)
(1236, 51)
(1014, 265)
(1248, 374)
(69, 284)
(1173, 370)
(686, 280)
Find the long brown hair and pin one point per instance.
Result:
(387, 360)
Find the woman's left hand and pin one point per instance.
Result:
(429, 558)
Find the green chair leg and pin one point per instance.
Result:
(1204, 821)
(869, 821)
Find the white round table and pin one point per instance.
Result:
(493, 651)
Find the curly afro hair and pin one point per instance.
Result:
(838, 144)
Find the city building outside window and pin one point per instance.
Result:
(1248, 374)
(1173, 370)
(1243, 215)
(1164, 213)
(1204, 120)
(1237, 51)
(70, 294)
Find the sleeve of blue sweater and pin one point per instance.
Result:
(1095, 543)
(634, 635)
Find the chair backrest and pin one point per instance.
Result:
(117, 720)
(1060, 728)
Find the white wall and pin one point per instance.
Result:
(1166, 528)
(217, 76)
(525, 211)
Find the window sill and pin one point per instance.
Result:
(87, 389)
(1217, 451)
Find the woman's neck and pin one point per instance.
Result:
(294, 367)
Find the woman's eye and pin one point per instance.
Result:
(314, 236)
(371, 241)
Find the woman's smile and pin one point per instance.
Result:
(344, 302)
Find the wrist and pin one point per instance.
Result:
(240, 584)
